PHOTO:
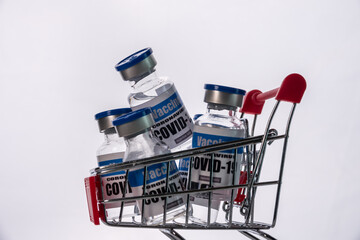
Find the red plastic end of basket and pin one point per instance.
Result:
(292, 89)
(251, 105)
(101, 206)
(90, 187)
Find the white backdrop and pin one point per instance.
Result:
(57, 70)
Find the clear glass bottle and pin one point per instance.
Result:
(219, 124)
(173, 125)
(185, 162)
(135, 127)
(112, 151)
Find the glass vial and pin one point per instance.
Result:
(173, 125)
(112, 151)
(140, 142)
(219, 124)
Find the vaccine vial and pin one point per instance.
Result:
(112, 151)
(185, 162)
(173, 125)
(135, 128)
(219, 124)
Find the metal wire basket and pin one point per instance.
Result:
(243, 190)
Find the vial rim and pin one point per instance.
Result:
(133, 59)
(132, 116)
(226, 89)
(117, 111)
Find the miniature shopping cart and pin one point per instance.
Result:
(243, 190)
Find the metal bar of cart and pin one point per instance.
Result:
(123, 195)
(167, 189)
(256, 173)
(172, 234)
(248, 235)
(143, 199)
(232, 190)
(184, 154)
(210, 186)
(282, 164)
(258, 232)
(253, 151)
(214, 226)
(188, 195)
(204, 190)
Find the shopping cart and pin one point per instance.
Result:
(243, 190)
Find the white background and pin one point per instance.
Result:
(57, 70)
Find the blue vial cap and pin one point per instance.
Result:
(133, 59)
(131, 116)
(224, 89)
(118, 111)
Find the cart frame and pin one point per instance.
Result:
(291, 90)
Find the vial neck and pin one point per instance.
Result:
(143, 137)
(145, 83)
(110, 134)
(221, 109)
(143, 143)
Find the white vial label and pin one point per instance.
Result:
(156, 184)
(173, 125)
(113, 184)
(223, 165)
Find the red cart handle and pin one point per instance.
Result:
(291, 90)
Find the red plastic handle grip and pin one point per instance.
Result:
(291, 90)
(91, 195)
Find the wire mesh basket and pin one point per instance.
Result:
(243, 190)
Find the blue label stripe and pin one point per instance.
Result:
(113, 174)
(202, 139)
(167, 107)
(112, 161)
(184, 164)
(108, 162)
(156, 172)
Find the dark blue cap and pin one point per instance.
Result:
(224, 89)
(107, 113)
(131, 116)
(133, 59)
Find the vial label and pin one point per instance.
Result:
(223, 161)
(184, 164)
(156, 184)
(173, 125)
(113, 184)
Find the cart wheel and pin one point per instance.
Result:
(172, 234)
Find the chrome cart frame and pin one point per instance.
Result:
(291, 90)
